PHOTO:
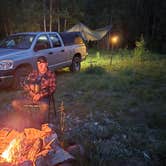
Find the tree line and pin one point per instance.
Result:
(129, 18)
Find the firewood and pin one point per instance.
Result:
(36, 148)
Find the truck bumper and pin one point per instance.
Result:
(6, 78)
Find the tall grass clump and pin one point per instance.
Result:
(140, 52)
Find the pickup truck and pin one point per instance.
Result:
(19, 52)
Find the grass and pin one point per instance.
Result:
(115, 109)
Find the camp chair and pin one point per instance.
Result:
(31, 108)
(51, 100)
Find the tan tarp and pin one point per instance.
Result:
(88, 34)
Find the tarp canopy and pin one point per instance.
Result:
(88, 34)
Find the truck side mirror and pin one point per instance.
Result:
(40, 46)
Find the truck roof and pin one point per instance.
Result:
(32, 33)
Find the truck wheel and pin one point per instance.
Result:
(19, 76)
(76, 65)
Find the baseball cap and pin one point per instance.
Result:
(42, 59)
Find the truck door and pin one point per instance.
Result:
(43, 48)
(59, 54)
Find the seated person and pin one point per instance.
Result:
(39, 85)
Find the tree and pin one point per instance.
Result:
(129, 18)
(44, 15)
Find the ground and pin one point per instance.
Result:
(115, 110)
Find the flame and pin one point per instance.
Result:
(9, 153)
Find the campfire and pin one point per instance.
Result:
(9, 153)
(31, 147)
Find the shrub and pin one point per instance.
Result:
(140, 50)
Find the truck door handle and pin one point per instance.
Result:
(62, 50)
(50, 53)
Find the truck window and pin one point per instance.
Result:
(22, 41)
(55, 40)
(43, 40)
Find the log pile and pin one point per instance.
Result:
(31, 147)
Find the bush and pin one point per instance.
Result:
(140, 51)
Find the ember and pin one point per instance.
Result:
(31, 145)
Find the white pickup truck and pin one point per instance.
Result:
(19, 52)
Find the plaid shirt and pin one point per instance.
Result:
(47, 82)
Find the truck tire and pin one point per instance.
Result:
(19, 76)
(76, 64)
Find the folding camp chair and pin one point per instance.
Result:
(31, 108)
(51, 100)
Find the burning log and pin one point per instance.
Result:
(31, 147)
(36, 148)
